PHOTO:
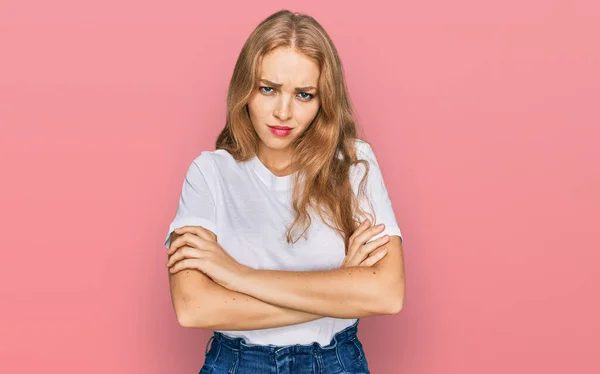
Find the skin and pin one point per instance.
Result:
(352, 292)
(271, 105)
(371, 279)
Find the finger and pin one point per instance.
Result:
(183, 252)
(368, 248)
(197, 230)
(364, 237)
(375, 258)
(181, 241)
(188, 263)
(189, 239)
(369, 233)
(353, 243)
(362, 252)
(359, 230)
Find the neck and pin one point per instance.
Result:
(278, 161)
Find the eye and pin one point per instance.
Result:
(307, 97)
(265, 89)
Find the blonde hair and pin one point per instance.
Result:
(326, 149)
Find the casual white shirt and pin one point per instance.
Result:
(249, 209)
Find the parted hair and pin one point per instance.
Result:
(326, 150)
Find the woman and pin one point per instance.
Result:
(270, 247)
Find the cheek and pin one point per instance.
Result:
(307, 113)
(261, 104)
(256, 109)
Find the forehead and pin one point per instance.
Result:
(288, 67)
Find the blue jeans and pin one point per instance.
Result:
(343, 355)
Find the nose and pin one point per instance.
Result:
(283, 110)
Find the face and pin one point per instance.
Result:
(286, 97)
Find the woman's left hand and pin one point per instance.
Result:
(192, 250)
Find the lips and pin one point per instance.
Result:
(280, 130)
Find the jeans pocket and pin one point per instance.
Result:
(351, 356)
(359, 350)
(211, 354)
(208, 344)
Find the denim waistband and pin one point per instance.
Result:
(238, 343)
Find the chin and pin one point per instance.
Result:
(275, 143)
(279, 145)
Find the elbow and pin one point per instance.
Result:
(393, 299)
(190, 299)
(184, 319)
(194, 319)
(394, 305)
(184, 314)
(187, 318)
(387, 304)
(191, 315)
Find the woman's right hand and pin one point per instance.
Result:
(361, 254)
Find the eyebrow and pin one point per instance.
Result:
(277, 85)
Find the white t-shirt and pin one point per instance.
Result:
(249, 209)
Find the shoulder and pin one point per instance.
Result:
(360, 144)
(210, 162)
(364, 151)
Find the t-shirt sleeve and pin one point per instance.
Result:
(196, 203)
(376, 191)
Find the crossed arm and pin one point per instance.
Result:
(199, 302)
(349, 292)
(270, 298)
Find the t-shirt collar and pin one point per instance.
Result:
(270, 179)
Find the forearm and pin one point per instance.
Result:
(211, 306)
(351, 292)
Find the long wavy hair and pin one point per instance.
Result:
(326, 150)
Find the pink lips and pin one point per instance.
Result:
(280, 131)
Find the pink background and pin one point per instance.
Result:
(484, 117)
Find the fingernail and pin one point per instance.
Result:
(386, 238)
